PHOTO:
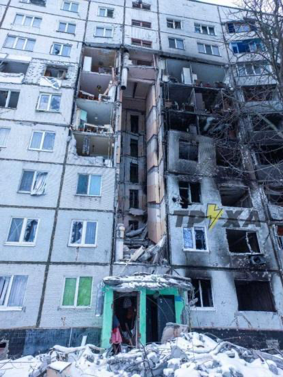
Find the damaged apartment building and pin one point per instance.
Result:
(137, 173)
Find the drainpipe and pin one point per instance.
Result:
(125, 71)
(120, 232)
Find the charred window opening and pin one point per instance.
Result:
(56, 72)
(228, 157)
(135, 124)
(134, 148)
(133, 225)
(270, 154)
(218, 128)
(259, 93)
(203, 293)
(134, 198)
(189, 193)
(274, 194)
(254, 296)
(242, 241)
(188, 150)
(134, 173)
(268, 122)
(208, 100)
(235, 196)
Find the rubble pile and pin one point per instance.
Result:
(190, 355)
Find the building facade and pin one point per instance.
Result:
(125, 147)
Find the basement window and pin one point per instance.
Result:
(142, 43)
(194, 239)
(174, 24)
(33, 182)
(4, 134)
(254, 296)
(135, 124)
(12, 291)
(89, 185)
(144, 24)
(23, 231)
(134, 148)
(235, 196)
(134, 173)
(188, 150)
(77, 292)
(83, 233)
(141, 5)
(56, 72)
(189, 193)
(203, 293)
(270, 154)
(242, 241)
(9, 99)
(134, 198)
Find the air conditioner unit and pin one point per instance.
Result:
(186, 76)
(257, 260)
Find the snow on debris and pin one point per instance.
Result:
(190, 355)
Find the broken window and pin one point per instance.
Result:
(235, 196)
(19, 43)
(77, 292)
(279, 236)
(195, 238)
(208, 49)
(61, 49)
(259, 93)
(23, 231)
(141, 42)
(13, 67)
(204, 29)
(89, 185)
(42, 141)
(228, 157)
(252, 69)
(134, 173)
(270, 154)
(133, 224)
(70, 6)
(103, 32)
(24, 20)
(188, 150)
(203, 293)
(176, 43)
(141, 5)
(33, 182)
(134, 148)
(4, 134)
(35, 2)
(267, 122)
(134, 198)
(174, 24)
(67, 27)
(49, 102)
(56, 72)
(83, 233)
(247, 46)
(12, 290)
(189, 193)
(141, 24)
(135, 124)
(106, 12)
(241, 26)
(242, 241)
(9, 99)
(274, 194)
(254, 296)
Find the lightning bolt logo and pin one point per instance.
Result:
(213, 214)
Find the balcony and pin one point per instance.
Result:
(12, 72)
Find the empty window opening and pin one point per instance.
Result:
(241, 26)
(274, 194)
(242, 241)
(134, 173)
(203, 293)
(259, 93)
(134, 147)
(133, 225)
(144, 24)
(141, 5)
(9, 99)
(254, 296)
(125, 317)
(135, 124)
(189, 193)
(228, 157)
(268, 122)
(279, 236)
(195, 238)
(188, 150)
(270, 154)
(56, 72)
(134, 198)
(13, 67)
(235, 196)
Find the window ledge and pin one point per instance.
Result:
(11, 309)
(82, 246)
(48, 111)
(19, 244)
(74, 308)
(204, 309)
(38, 150)
(195, 251)
(88, 196)
(258, 311)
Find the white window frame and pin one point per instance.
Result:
(263, 67)
(76, 293)
(201, 296)
(70, 6)
(202, 27)
(61, 49)
(105, 9)
(24, 18)
(175, 43)
(205, 49)
(142, 43)
(5, 128)
(35, 174)
(143, 24)
(88, 184)
(104, 31)
(49, 102)
(20, 242)
(5, 306)
(83, 244)
(16, 41)
(194, 240)
(43, 134)
(67, 24)
(174, 21)
(8, 98)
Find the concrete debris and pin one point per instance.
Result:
(189, 355)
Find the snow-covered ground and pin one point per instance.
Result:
(190, 355)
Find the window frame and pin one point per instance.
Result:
(141, 43)
(143, 24)
(76, 293)
(247, 230)
(24, 18)
(62, 45)
(194, 249)
(202, 27)
(201, 308)
(71, 3)
(106, 9)
(49, 102)
(23, 229)
(104, 32)
(175, 43)
(10, 91)
(16, 41)
(141, 5)
(67, 24)
(205, 48)
(88, 185)
(174, 21)
(42, 141)
(242, 65)
(5, 306)
(35, 174)
(84, 245)
(5, 128)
